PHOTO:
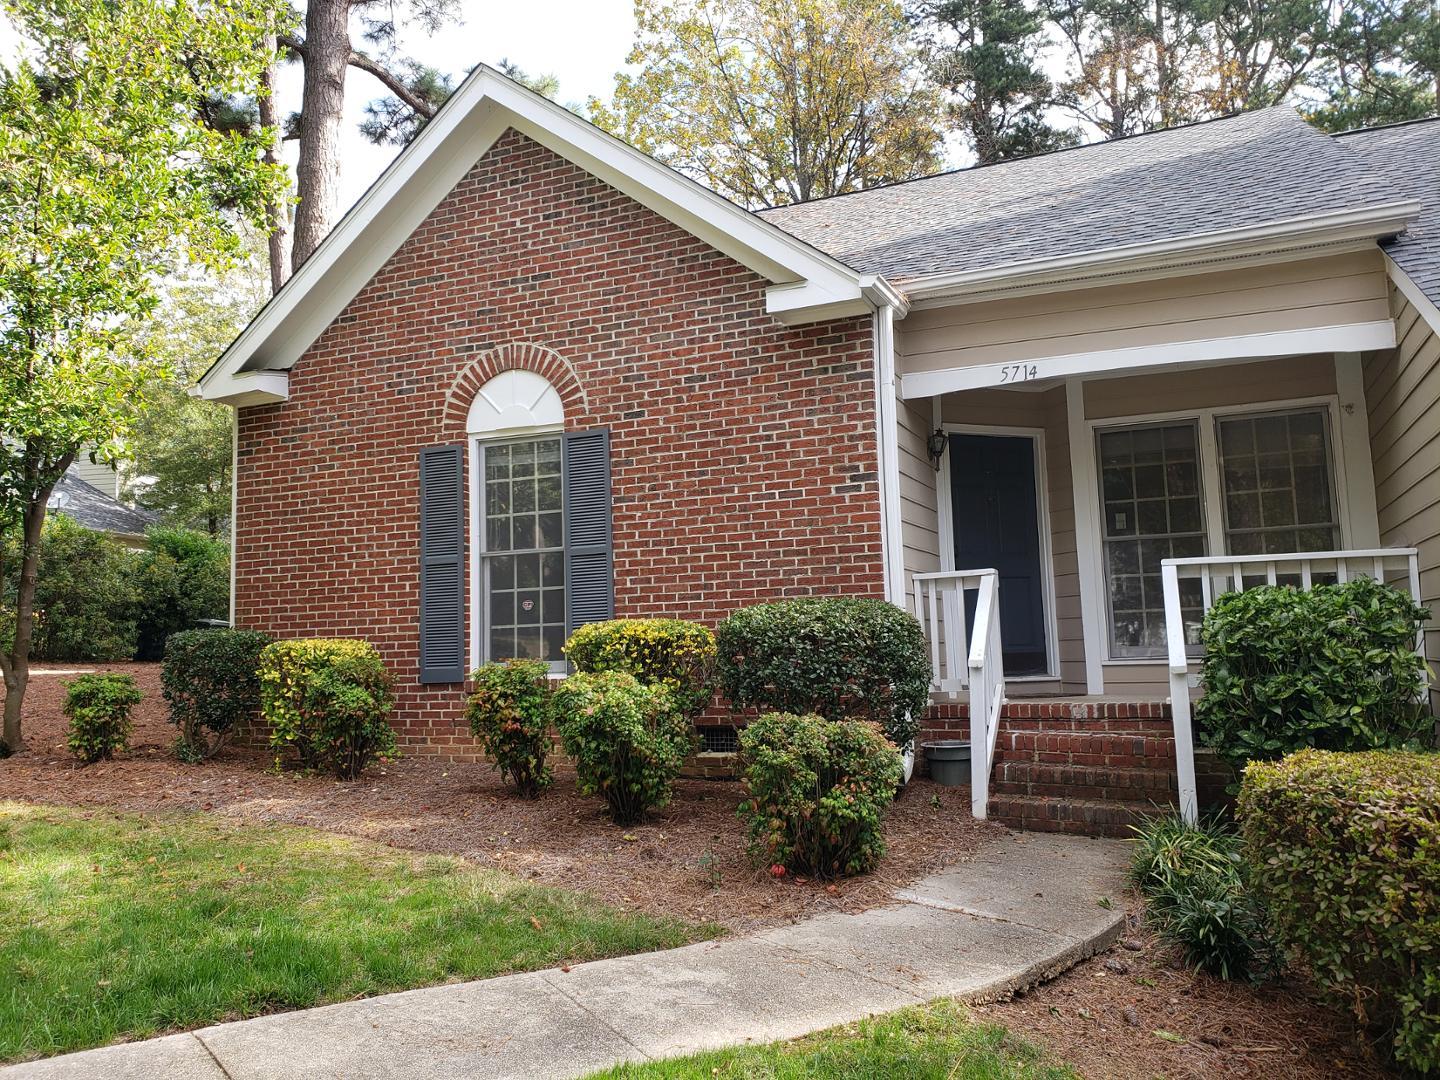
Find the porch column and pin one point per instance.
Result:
(888, 440)
(1087, 537)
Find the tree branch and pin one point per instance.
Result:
(393, 83)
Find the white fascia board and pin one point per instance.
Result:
(1350, 337)
(1294, 234)
(244, 388)
(484, 106)
(1407, 288)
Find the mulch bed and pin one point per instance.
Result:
(1136, 1012)
(687, 860)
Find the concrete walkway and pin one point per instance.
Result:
(1027, 908)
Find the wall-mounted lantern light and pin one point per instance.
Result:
(936, 445)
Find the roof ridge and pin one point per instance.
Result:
(1412, 122)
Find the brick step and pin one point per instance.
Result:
(1143, 783)
(1086, 817)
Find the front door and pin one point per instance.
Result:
(997, 524)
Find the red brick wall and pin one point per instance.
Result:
(743, 451)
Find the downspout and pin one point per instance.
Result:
(234, 501)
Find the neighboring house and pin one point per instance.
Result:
(79, 498)
(535, 378)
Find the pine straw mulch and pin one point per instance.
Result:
(1135, 1012)
(687, 860)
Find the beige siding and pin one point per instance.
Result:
(1045, 411)
(1402, 395)
(101, 476)
(1330, 291)
(1210, 387)
(919, 525)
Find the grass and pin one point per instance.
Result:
(121, 926)
(937, 1041)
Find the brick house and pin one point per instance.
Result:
(535, 378)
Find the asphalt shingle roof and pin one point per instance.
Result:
(1251, 169)
(1408, 157)
(94, 509)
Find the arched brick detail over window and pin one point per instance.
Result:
(522, 355)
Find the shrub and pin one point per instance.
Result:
(84, 596)
(183, 578)
(1333, 667)
(98, 707)
(627, 740)
(509, 712)
(1343, 848)
(211, 681)
(329, 699)
(676, 654)
(833, 656)
(816, 791)
(1198, 899)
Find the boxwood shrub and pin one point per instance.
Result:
(836, 657)
(674, 653)
(509, 712)
(1333, 667)
(1344, 849)
(211, 681)
(628, 740)
(816, 790)
(98, 707)
(328, 699)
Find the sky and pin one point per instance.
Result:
(581, 42)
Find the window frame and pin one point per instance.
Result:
(1211, 488)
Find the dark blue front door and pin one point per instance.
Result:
(996, 514)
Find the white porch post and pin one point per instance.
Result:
(888, 438)
(1087, 536)
(1357, 480)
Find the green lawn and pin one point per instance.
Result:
(121, 926)
(936, 1041)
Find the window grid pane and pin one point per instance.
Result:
(523, 557)
(1275, 472)
(1152, 509)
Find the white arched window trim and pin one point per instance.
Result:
(514, 404)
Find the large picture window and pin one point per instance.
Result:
(523, 555)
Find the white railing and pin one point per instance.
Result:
(975, 665)
(1233, 573)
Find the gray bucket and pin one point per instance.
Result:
(949, 761)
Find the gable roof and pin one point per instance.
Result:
(1407, 156)
(807, 284)
(94, 509)
(1257, 173)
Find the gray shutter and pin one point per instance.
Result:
(442, 564)
(589, 561)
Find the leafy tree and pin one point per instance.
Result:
(776, 101)
(182, 578)
(1380, 65)
(985, 56)
(110, 181)
(180, 449)
(1257, 54)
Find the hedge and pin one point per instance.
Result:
(98, 707)
(674, 653)
(1344, 850)
(509, 712)
(211, 681)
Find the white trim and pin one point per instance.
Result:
(1356, 471)
(1083, 482)
(1350, 337)
(946, 510)
(515, 400)
(808, 282)
(1364, 223)
(887, 438)
(234, 503)
(1413, 293)
(1210, 479)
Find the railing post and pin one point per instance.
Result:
(1180, 691)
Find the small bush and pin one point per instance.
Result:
(628, 740)
(98, 707)
(1345, 850)
(1334, 668)
(329, 699)
(676, 654)
(1196, 896)
(211, 681)
(509, 712)
(836, 657)
(816, 790)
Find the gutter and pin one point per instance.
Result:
(1368, 223)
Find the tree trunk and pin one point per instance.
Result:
(279, 241)
(326, 55)
(16, 665)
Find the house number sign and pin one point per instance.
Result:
(1010, 373)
